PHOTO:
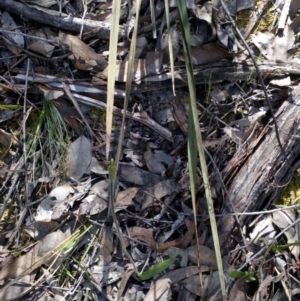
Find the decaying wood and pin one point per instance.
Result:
(62, 21)
(258, 172)
(218, 72)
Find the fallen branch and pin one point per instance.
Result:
(216, 73)
(53, 18)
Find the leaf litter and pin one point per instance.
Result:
(67, 235)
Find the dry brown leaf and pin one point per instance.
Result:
(50, 93)
(159, 286)
(92, 204)
(138, 176)
(79, 158)
(211, 284)
(60, 193)
(159, 191)
(14, 291)
(50, 243)
(146, 235)
(41, 253)
(207, 256)
(106, 245)
(96, 168)
(41, 46)
(6, 258)
(125, 197)
(239, 290)
(209, 53)
(152, 163)
(129, 270)
(85, 57)
(38, 230)
(13, 39)
(22, 265)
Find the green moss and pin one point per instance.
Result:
(243, 17)
(100, 116)
(263, 24)
(291, 193)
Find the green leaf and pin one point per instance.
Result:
(250, 277)
(9, 107)
(236, 274)
(280, 248)
(156, 269)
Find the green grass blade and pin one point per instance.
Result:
(128, 84)
(192, 164)
(111, 75)
(191, 84)
(113, 167)
(156, 269)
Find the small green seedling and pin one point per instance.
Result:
(250, 276)
(156, 269)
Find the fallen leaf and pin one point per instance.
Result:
(209, 53)
(85, 57)
(159, 286)
(106, 244)
(22, 265)
(129, 270)
(125, 197)
(92, 204)
(45, 210)
(12, 40)
(41, 46)
(79, 158)
(159, 191)
(138, 176)
(211, 284)
(15, 290)
(146, 235)
(38, 230)
(60, 193)
(153, 164)
(207, 256)
(239, 290)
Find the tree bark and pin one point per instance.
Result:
(258, 171)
